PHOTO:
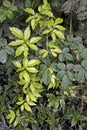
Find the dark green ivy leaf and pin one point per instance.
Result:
(3, 56)
(46, 77)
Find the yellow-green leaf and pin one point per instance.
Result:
(22, 107)
(27, 98)
(11, 116)
(32, 70)
(19, 102)
(16, 122)
(19, 50)
(17, 32)
(46, 31)
(25, 62)
(43, 52)
(53, 36)
(35, 39)
(32, 88)
(29, 19)
(37, 95)
(53, 79)
(17, 64)
(16, 43)
(31, 103)
(26, 49)
(32, 97)
(26, 76)
(25, 88)
(33, 47)
(27, 107)
(59, 34)
(22, 82)
(53, 53)
(27, 33)
(58, 20)
(48, 13)
(29, 10)
(33, 23)
(57, 49)
(60, 27)
(33, 63)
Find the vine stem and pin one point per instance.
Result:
(71, 25)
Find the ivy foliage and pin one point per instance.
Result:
(32, 83)
(43, 66)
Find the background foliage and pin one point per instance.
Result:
(63, 107)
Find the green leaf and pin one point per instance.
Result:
(46, 77)
(6, 3)
(58, 21)
(77, 68)
(27, 33)
(3, 56)
(68, 56)
(2, 16)
(62, 103)
(61, 66)
(19, 50)
(84, 64)
(32, 70)
(61, 74)
(9, 50)
(84, 53)
(17, 64)
(54, 67)
(27, 107)
(17, 32)
(35, 40)
(86, 74)
(33, 63)
(16, 43)
(13, 8)
(28, 3)
(29, 10)
(70, 67)
(10, 14)
(81, 76)
(65, 81)
(59, 34)
(73, 122)
(3, 42)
